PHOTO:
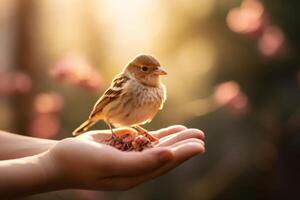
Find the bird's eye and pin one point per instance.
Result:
(144, 69)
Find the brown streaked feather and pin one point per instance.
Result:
(112, 93)
(83, 127)
(119, 81)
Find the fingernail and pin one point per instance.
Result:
(165, 156)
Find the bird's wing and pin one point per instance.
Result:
(112, 93)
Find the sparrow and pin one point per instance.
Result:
(133, 98)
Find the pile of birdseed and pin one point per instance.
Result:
(128, 142)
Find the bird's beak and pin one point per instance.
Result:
(160, 71)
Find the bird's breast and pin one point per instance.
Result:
(139, 105)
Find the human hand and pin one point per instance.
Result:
(83, 162)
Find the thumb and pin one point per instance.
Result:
(137, 163)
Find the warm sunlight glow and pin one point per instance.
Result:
(132, 24)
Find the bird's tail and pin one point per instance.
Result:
(83, 127)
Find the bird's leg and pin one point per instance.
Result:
(113, 134)
(144, 132)
(116, 135)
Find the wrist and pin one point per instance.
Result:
(52, 175)
(41, 146)
(14, 146)
(28, 175)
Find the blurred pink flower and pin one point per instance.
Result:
(22, 82)
(226, 92)
(248, 19)
(75, 70)
(229, 94)
(251, 19)
(14, 82)
(45, 122)
(271, 42)
(46, 103)
(6, 83)
(44, 126)
(239, 105)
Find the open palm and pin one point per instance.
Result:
(87, 163)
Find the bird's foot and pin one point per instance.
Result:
(145, 133)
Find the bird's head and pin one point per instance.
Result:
(146, 69)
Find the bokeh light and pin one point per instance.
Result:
(48, 103)
(248, 19)
(271, 42)
(46, 113)
(75, 70)
(230, 95)
(14, 82)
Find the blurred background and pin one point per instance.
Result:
(234, 72)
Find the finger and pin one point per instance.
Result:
(182, 153)
(182, 135)
(167, 131)
(188, 141)
(192, 130)
(136, 163)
